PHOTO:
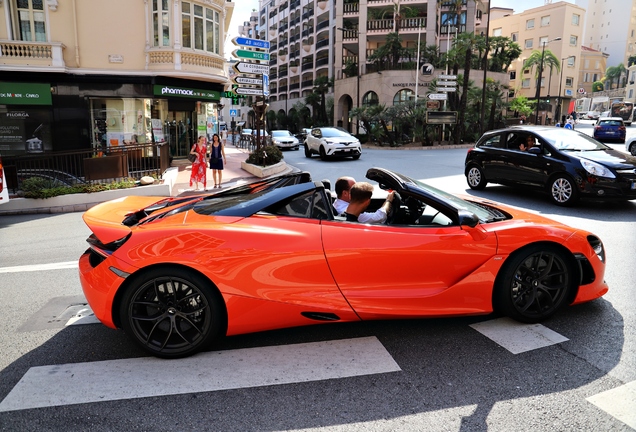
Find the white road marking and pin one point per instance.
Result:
(619, 403)
(76, 383)
(517, 337)
(40, 267)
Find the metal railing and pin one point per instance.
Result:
(88, 166)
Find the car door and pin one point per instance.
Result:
(493, 157)
(408, 270)
(526, 167)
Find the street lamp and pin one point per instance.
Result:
(344, 30)
(558, 107)
(483, 90)
(538, 93)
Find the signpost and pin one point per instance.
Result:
(438, 96)
(247, 80)
(248, 91)
(251, 68)
(251, 55)
(446, 89)
(254, 43)
(441, 117)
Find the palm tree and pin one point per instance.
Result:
(313, 100)
(321, 87)
(612, 73)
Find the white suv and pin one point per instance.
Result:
(331, 142)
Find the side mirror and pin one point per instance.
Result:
(467, 218)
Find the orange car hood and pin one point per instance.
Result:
(105, 219)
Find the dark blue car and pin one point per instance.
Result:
(610, 129)
(567, 164)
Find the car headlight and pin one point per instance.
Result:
(597, 169)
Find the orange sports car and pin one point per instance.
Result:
(177, 274)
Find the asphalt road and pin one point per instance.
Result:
(577, 371)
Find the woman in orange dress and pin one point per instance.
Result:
(200, 165)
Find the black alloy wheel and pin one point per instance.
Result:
(563, 191)
(535, 283)
(172, 313)
(475, 178)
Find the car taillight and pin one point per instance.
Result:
(621, 128)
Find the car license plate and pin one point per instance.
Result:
(347, 150)
(610, 132)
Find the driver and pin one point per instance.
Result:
(343, 193)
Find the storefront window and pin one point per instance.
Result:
(25, 129)
(119, 122)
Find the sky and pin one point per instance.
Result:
(243, 10)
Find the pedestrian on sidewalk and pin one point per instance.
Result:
(200, 164)
(217, 160)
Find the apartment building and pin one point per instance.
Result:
(99, 74)
(593, 63)
(610, 27)
(557, 28)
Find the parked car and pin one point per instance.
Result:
(283, 139)
(178, 274)
(567, 164)
(610, 129)
(302, 135)
(4, 191)
(246, 131)
(630, 146)
(331, 142)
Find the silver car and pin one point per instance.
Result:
(331, 142)
(283, 139)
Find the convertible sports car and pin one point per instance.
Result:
(177, 274)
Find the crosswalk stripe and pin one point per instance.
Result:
(517, 337)
(40, 267)
(619, 403)
(76, 383)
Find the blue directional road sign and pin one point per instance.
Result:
(265, 85)
(254, 43)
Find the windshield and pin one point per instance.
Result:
(484, 213)
(565, 139)
(332, 133)
(281, 133)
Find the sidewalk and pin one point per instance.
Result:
(233, 174)
(176, 180)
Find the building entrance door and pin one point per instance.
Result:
(180, 132)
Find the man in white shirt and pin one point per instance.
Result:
(343, 187)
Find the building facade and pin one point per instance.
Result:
(557, 28)
(610, 27)
(93, 74)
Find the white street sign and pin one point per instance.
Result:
(248, 91)
(447, 83)
(251, 68)
(446, 89)
(246, 80)
(438, 96)
(453, 77)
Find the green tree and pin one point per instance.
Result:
(388, 55)
(313, 100)
(597, 86)
(522, 105)
(503, 51)
(549, 61)
(612, 73)
(321, 88)
(631, 60)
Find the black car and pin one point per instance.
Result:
(568, 164)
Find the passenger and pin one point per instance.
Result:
(343, 197)
(528, 145)
(360, 194)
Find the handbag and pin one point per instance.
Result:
(192, 157)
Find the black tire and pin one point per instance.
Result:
(307, 151)
(475, 177)
(632, 148)
(563, 191)
(534, 283)
(323, 154)
(356, 157)
(172, 312)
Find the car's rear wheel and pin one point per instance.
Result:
(171, 312)
(307, 151)
(632, 148)
(534, 283)
(323, 154)
(563, 190)
(476, 178)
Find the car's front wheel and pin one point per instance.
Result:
(307, 151)
(323, 154)
(476, 178)
(562, 190)
(534, 283)
(632, 148)
(171, 312)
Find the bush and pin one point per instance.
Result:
(265, 156)
(36, 187)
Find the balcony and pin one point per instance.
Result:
(325, 24)
(307, 83)
(32, 54)
(294, 86)
(308, 14)
(322, 43)
(282, 73)
(351, 8)
(322, 61)
(294, 4)
(162, 59)
(307, 65)
(282, 89)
